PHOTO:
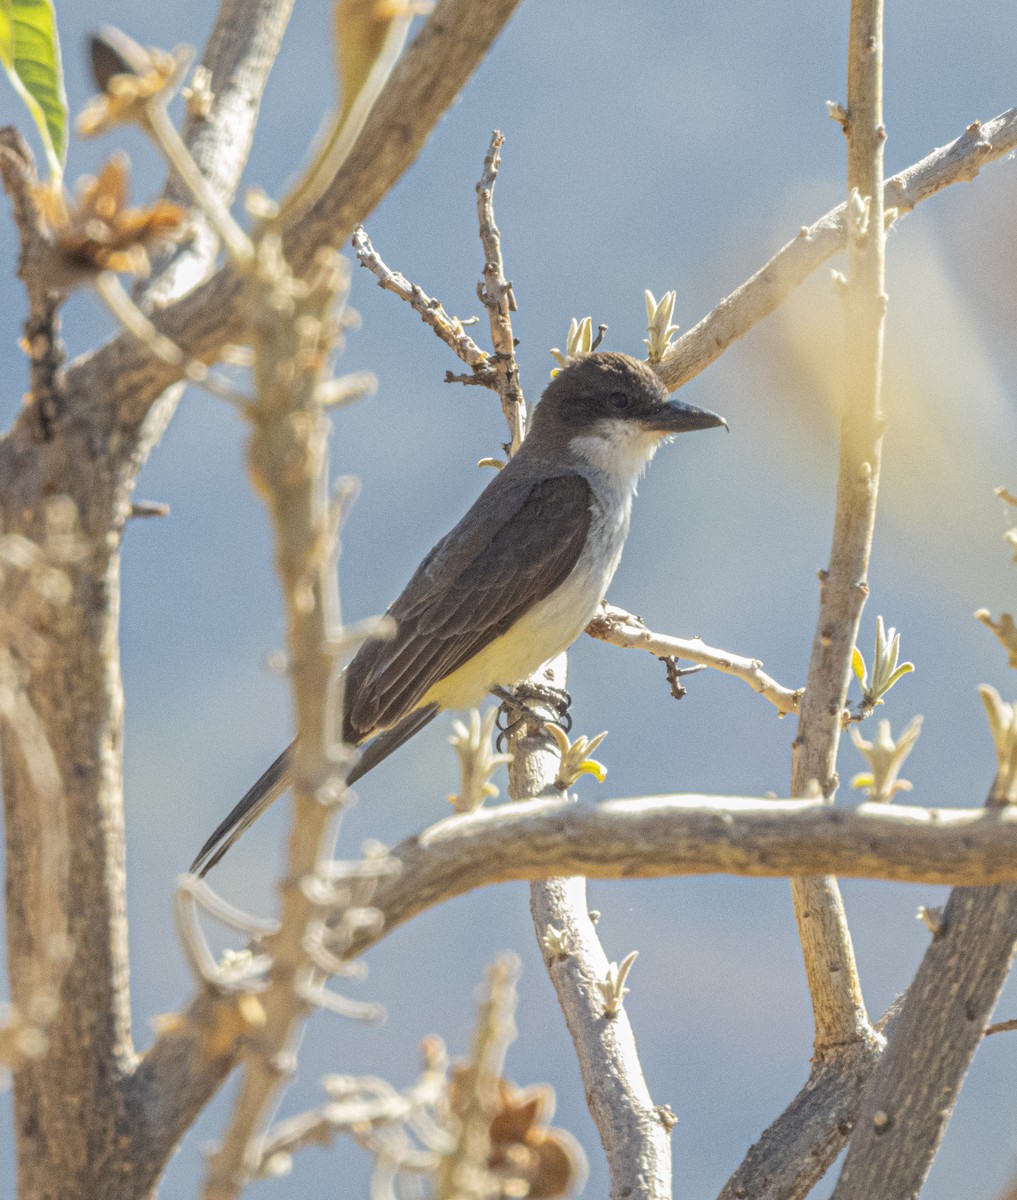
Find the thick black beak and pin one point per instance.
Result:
(678, 417)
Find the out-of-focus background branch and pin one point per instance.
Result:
(726, 538)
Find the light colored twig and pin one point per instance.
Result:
(1002, 719)
(763, 292)
(111, 291)
(838, 1007)
(432, 312)
(621, 628)
(370, 1111)
(164, 133)
(495, 293)
(1005, 629)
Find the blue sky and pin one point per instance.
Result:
(672, 146)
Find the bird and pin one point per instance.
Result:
(516, 581)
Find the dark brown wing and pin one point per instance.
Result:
(518, 542)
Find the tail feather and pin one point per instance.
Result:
(257, 800)
(383, 745)
(277, 779)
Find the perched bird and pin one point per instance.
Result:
(517, 580)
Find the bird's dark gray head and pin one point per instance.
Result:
(598, 394)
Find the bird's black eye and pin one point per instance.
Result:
(620, 400)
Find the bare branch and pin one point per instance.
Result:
(76, 694)
(760, 295)
(659, 836)
(289, 461)
(834, 986)
(238, 58)
(621, 628)
(462, 1171)
(208, 319)
(122, 381)
(495, 293)
(945, 1014)
(375, 1115)
(634, 1133)
(794, 1153)
(432, 311)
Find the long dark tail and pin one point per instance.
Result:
(277, 779)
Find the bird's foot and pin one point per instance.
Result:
(532, 703)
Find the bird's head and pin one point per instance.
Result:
(613, 411)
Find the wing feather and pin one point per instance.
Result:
(518, 543)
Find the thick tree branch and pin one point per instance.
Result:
(794, 1152)
(76, 1109)
(658, 836)
(944, 1017)
(649, 837)
(239, 55)
(123, 380)
(288, 458)
(635, 1134)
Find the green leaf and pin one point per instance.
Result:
(902, 670)
(30, 53)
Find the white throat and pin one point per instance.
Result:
(617, 450)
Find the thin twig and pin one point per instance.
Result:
(763, 292)
(359, 1108)
(622, 628)
(1002, 1027)
(495, 293)
(432, 311)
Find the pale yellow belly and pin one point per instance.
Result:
(550, 627)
